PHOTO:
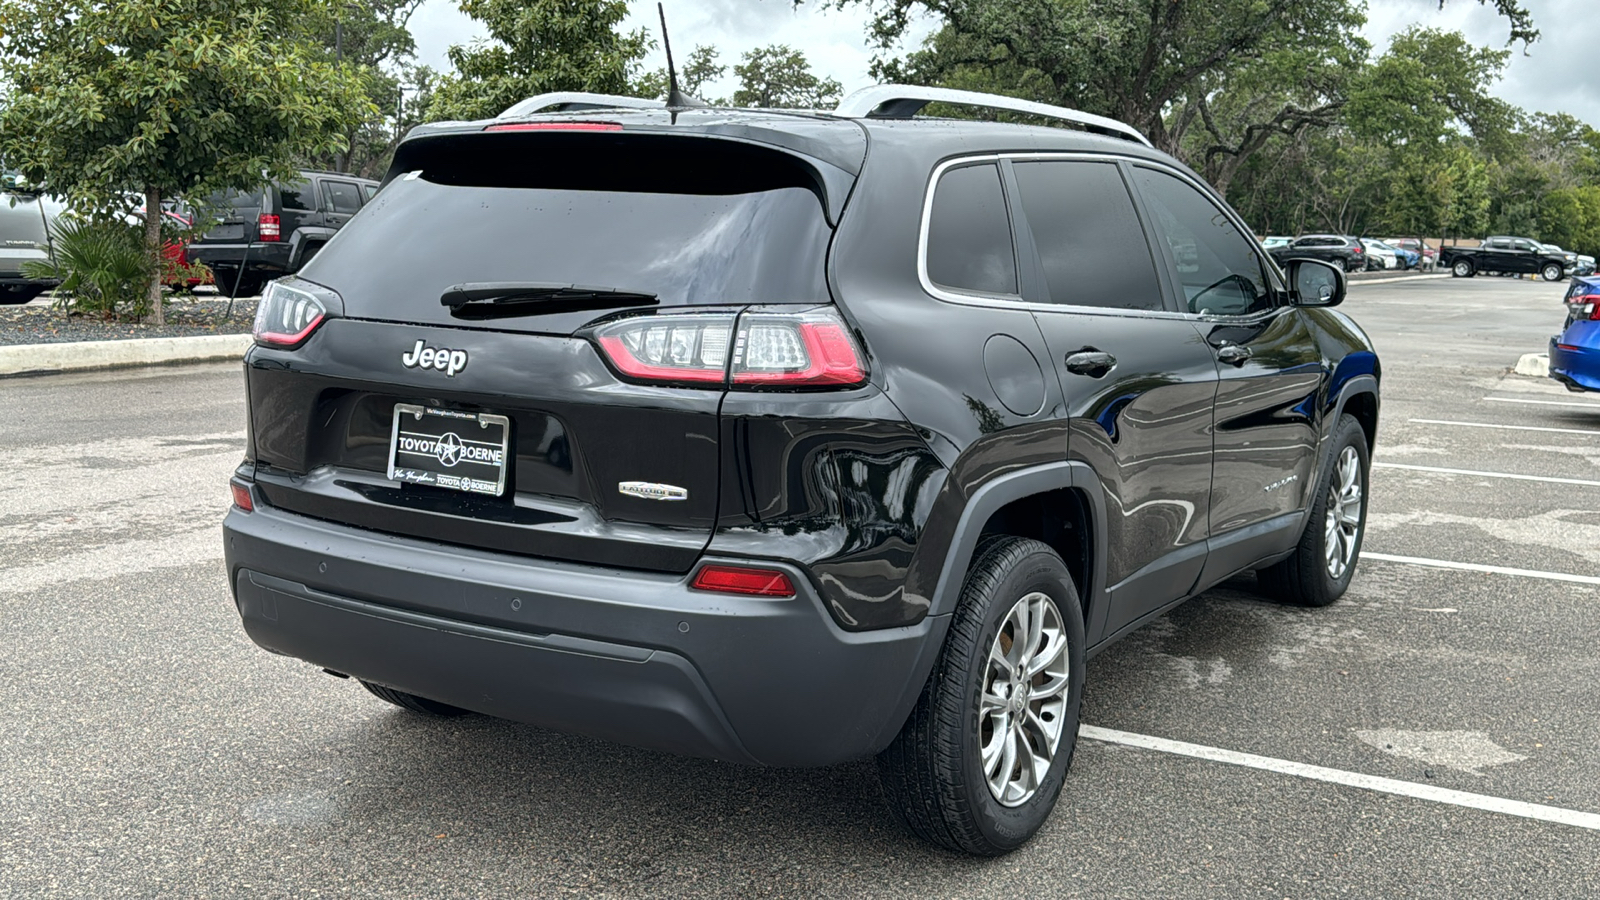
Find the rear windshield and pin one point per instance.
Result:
(693, 221)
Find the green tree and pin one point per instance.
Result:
(372, 37)
(779, 77)
(166, 98)
(537, 46)
(698, 71)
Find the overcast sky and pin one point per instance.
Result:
(1558, 74)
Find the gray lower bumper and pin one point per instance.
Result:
(627, 656)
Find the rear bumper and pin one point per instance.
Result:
(264, 256)
(1578, 368)
(627, 656)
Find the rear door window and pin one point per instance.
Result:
(1088, 237)
(298, 195)
(368, 191)
(969, 233)
(1217, 266)
(341, 196)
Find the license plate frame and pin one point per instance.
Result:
(458, 463)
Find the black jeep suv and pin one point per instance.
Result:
(261, 235)
(790, 439)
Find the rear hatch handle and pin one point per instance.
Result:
(497, 299)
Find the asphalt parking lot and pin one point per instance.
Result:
(149, 749)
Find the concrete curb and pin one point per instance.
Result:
(1534, 364)
(74, 356)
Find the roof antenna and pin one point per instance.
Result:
(676, 99)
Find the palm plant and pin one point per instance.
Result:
(100, 266)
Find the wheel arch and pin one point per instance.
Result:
(1060, 504)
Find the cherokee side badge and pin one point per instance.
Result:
(649, 490)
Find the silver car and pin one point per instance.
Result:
(25, 217)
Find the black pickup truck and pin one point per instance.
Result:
(1504, 256)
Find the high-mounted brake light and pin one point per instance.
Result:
(269, 228)
(287, 314)
(556, 126)
(774, 348)
(746, 580)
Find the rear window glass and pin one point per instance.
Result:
(236, 199)
(969, 233)
(693, 221)
(297, 196)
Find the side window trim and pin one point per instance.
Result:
(957, 295)
(1269, 268)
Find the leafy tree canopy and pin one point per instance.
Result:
(166, 98)
(537, 46)
(780, 77)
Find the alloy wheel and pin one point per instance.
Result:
(1343, 526)
(1022, 706)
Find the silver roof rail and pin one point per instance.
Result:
(568, 100)
(902, 101)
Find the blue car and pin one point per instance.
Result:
(1575, 352)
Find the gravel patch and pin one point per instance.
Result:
(39, 323)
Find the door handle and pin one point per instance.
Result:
(1233, 354)
(1091, 362)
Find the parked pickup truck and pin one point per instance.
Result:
(1505, 256)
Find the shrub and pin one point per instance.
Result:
(100, 266)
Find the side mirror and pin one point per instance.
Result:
(1315, 283)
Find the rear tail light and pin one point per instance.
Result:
(1585, 306)
(746, 580)
(763, 348)
(290, 309)
(269, 228)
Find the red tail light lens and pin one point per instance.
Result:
(771, 349)
(743, 580)
(290, 309)
(241, 496)
(269, 228)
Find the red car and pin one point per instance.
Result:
(1415, 245)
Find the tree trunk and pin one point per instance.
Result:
(152, 249)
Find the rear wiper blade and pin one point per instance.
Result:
(492, 299)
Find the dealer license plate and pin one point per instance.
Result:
(448, 448)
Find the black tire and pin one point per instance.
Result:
(414, 703)
(1352, 266)
(230, 284)
(1304, 578)
(18, 294)
(933, 772)
(1462, 268)
(1551, 272)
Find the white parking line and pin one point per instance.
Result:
(1474, 472)
(1554, 814)
(1508, 427)
(1544, 402)
(1478, 567)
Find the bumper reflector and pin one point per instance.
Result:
(742, 580)
(241, 496)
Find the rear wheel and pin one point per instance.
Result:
(1461, 269)
(1322, 564)
(979, 764)
(1551, 272)
(231, 284)
(18, 294)
(414, 703)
